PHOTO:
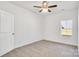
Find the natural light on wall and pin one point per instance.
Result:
(66, 27)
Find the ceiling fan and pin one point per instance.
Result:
(45, 7)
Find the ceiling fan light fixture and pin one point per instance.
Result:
(45, 7)
(45, 10)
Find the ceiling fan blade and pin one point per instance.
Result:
(37, 6)
(40, 10)
(49, 10)
(52, 6)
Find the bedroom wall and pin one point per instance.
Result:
(52, 31)
(27, 24)
(78, 29)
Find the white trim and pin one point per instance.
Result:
(26, 43)
(62, 42)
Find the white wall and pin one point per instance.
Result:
(27, 24)
(52, 31)
(78, 29)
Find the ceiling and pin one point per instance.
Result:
(62, 5)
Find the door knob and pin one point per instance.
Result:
(13, 33)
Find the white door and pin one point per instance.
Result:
(6, 32)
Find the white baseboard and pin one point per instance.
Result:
(26, 43)
(62, 42)
(4, 52)
(17, 46)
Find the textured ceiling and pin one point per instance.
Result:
(62, 5)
